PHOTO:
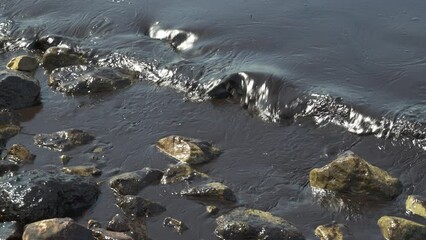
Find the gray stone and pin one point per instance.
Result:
(23, 63)
(214, 191)
(395, 228)
(135, 206)
(10, 231)
(18, 90)
(177, 225)
(92, 223)
(102, 234)
(57, 57)
(130, 183)
(63, 140)
(56, 228)
(118, 224)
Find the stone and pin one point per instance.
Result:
(45, 42)
(57, 57)
(188, 150)
(212, 210)
(135, 206)
(8, 131)
(10, 231)
(92, 223)
(395, 228)
(130, 183)
(80, 80)
(20, 154)
(243, 223)
(214, 191)
(329, 232)
(416, 205)
(23, 63)
(56, 228)
(63, 140)
(102, 234)
(351, 174)
(83, 171)
(18, 90)
(180, 172)
(34, 195)
(9, 125)
(65, 159)
(177, 225)
(118, 224)
(7, 166)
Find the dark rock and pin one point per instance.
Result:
(8, 166)
(10, 231)
(57, 57)
(20, 154)
(92, 223)
(56, 228)
(177, 225)
(45, 42)
(23, 63)
(78, 80)
(395, 228)
(180, 172)
(191, 151)
(83, 171)
(329, 232)
(118, 224)
(102, 234)
(63, 140)
(214, 191)
(416, 205)
(252, 224)
(34, 195)
(131, 183)
(18, 90)
(135, 206)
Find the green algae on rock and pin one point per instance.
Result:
(23, 63)
(416, 205)
(329, 232)
(191, 151)
(395, 228)
(351, 174)
(214, 191)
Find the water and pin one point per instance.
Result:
(303, 82)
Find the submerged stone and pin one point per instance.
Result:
(83, 171)
(57, 57)
(131, 183)
(23, 63)
(18, 90)
(252, 224)
(20, 154)
(191, 151)
(351, 174)
(177, 225)
(416, 205)
(180, 172)
(56, 228)
(63, 140)
(331, 232)
(395, 228)
(214, 191)
(10, 231)
(102, 234)
(135, 206)
(34, 195)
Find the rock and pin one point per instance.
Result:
(416, 205)
(83, 171)
(56, 228)
(8, 166)
(395, 228)
(177, 225)
(9, 125)
(10, 231)
(57, 57)
(8, 131)
(214, 191)
(332, 232)
(135, 206)
(102, 234)
(65, 159)
(131, 183)
(18, 90)
(45, 42)
(118, 224)
(191, 151)
(78, 80)
(351, 174)
(212, 210)
(243, 223)
(92, 223)
(34, 195)
(63, 140)
(180, 172)
(23, 63)
(20, 154)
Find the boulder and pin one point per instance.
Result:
(118, 224)
(214, 191)
(10, 231)
(395, 228)
(79, 80)
(102, 234)
(177, 225)
(135, 206)
(35, 195)
(180, 172)
(351, 174)
(329, 232)
(188, 150)
(83, 171)
(23, 63)
(63, 140)
(20, 154)
(18, 90)
(57, 57)
(56, 228)
(416, 205)
(130, 183)
(252, 224)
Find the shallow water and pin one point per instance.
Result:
(305, 81)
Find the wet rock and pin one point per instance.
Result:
(331, 232)
(92, 223)
(118, 224)
(8, 131)
(177, 225)
(102, 234)
(351, 174)
(395, 228)
(138, 207)
(191, 151)
(18, 90)
(23, 63)
(214, 191)
(56, 228)
(20, 154)
(8, 166)
(242, 223)
(416, 205)
(180, 172)
(77, 80)
(212, 210)
(83, 171)
(63, 140)
(57, 57)
(131, 183)
(10, 231)
(65, 159)
(45, 42)
(34, 195)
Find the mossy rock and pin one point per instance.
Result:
(19, 153)
(351, 174)
(416, 205)
(395, 228)
(23, 63)
(329, 232)
(214, 191)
